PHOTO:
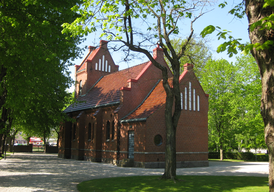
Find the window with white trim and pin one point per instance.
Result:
(103, 63)
(106, 68)
(194, 100)
(100, 64)
(109, 68)
(185, 98)
(189, 98)
(182, 101)
(198, 103)
(96, 66)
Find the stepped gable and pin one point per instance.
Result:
(107, 90)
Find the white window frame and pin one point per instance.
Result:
(189, 98)
(194, 100)
(185, 98)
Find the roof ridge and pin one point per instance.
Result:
(125, 69)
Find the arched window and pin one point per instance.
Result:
(108, 131)
(80, 88)
(89, 131)
(112, 131)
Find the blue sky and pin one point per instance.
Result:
(217, 17)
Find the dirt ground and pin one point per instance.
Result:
(38, 172)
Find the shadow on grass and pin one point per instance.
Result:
(185, 183)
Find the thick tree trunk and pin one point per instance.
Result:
(170, 152)
(172, 116)
(265, 61)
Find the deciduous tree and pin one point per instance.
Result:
(34, 60)
(159, 20)
(234, 112)
(260, 14)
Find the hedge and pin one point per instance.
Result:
(247, 156)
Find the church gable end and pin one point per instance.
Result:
(96, 64)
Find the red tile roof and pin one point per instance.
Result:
(155, 100)
(107, 89)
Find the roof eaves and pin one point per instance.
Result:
(81, 70)
(133, 120)
(94, 107)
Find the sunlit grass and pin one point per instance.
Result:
(184, 183)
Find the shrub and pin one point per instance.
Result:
(247, 156)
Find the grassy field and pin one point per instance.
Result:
(185, 183)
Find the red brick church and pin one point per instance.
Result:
(119, 117)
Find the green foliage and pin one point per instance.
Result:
(184, 183)
(34, 61)
(247, 156)
(197, 53)
(234, 119)
(233, 45)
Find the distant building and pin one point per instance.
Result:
(19, 140)
(36, 141)
(119, 117)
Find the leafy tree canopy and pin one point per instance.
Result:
(34, 60)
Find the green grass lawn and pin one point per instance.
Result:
(185, 184)
(227, 160)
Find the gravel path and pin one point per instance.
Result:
(38, 172)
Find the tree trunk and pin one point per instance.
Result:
(45, 144)
(265, 61)
(221, 154)
(170, 152)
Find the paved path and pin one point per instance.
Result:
(46, 172)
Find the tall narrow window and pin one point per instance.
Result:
(103, 63)
(89, 131)
(112, 131)
(182, 101)
(189, 97)
(198, 103)
(80, 88)
(108, 131)
(96, 66)
(185, 98)
(106, 68)
(194, 100)
(100, 64)
(109, 68)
